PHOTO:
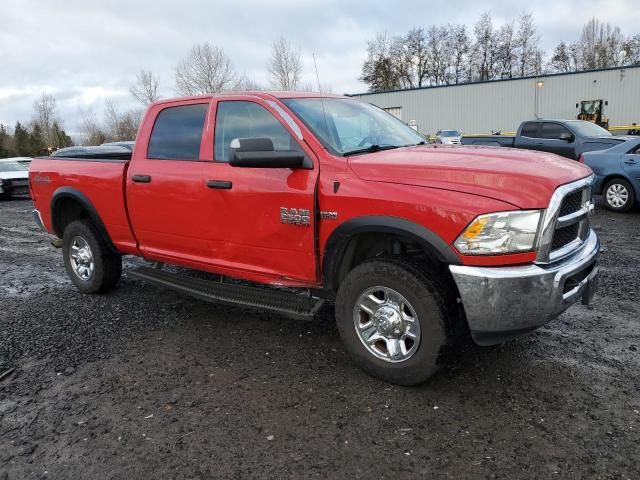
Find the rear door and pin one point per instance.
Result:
(262, 219)
(166, 192)
(528, 136)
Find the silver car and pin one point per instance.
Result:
(14, 176)
(448, 137)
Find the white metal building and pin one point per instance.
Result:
(483, 107)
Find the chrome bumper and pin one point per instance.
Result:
(37, 218)
(504, 302)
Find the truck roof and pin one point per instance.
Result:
(255, 93)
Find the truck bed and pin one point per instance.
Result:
(491, 140)
(100, 179)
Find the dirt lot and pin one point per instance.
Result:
(145, 383)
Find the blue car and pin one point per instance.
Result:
(617, 172)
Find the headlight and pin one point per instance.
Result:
(502, 232)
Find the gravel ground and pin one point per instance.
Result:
(145, 383)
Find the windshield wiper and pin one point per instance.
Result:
(370, 149)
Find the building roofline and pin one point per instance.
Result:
(528, 77)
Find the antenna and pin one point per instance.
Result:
(324, 113)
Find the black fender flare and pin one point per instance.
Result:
(335, 245)
(75, 194)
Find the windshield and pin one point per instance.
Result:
(13, 167)
(450, 133)
(346, 126)
(589, 129)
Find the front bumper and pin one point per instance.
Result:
(502, 303)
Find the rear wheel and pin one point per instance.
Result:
(393, 319)
(91, 266)
(619, 195)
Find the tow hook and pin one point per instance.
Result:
(57, 242)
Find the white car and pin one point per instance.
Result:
(449, 137)
(14, 176)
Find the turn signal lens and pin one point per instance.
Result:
(475, 228)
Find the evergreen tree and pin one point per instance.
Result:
(36, 141)
(4, 142)
(21, 138)
(59, 137)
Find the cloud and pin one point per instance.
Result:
(84, 52)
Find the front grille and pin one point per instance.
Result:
(571, 203)
(564, 236)
(565, 225)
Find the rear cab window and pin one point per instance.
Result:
(177, 133)
(530, 130)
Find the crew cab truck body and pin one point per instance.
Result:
(415, 243)
(568, 138)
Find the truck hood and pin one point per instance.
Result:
(524, 178)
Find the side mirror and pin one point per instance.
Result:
(566, 136)
(267, 159)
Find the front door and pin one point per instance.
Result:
(261, 219)
(166, 194)
(631, 164)
(551, 140)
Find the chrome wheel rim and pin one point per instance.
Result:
(81, 258)
(386, 324)
(617, 195)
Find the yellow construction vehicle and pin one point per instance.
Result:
(593, 111)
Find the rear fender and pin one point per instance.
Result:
(57, 214)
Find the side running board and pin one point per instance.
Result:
(277, 301)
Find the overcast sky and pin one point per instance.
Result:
(84, 53)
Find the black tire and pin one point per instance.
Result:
(107, 265)
(621, 185)
(432, 300)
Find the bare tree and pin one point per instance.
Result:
(631, 50)
(90, 130)
(460, 47)
(484, 48)
(285, 66)
(206, 69)
(245, 84)
(379, 70)
(601, 45)
(44, 114)
(145, 89)
(121, 125)
(506, 54)
(560, 61)
(439, 56)
(527, 44)
(411, 58)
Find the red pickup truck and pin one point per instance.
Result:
(321, 197)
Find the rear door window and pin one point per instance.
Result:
(177, 133)
(552, 130)
(529, 129)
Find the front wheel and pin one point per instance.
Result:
(393, 320)
(91, 266)
(619, 195)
